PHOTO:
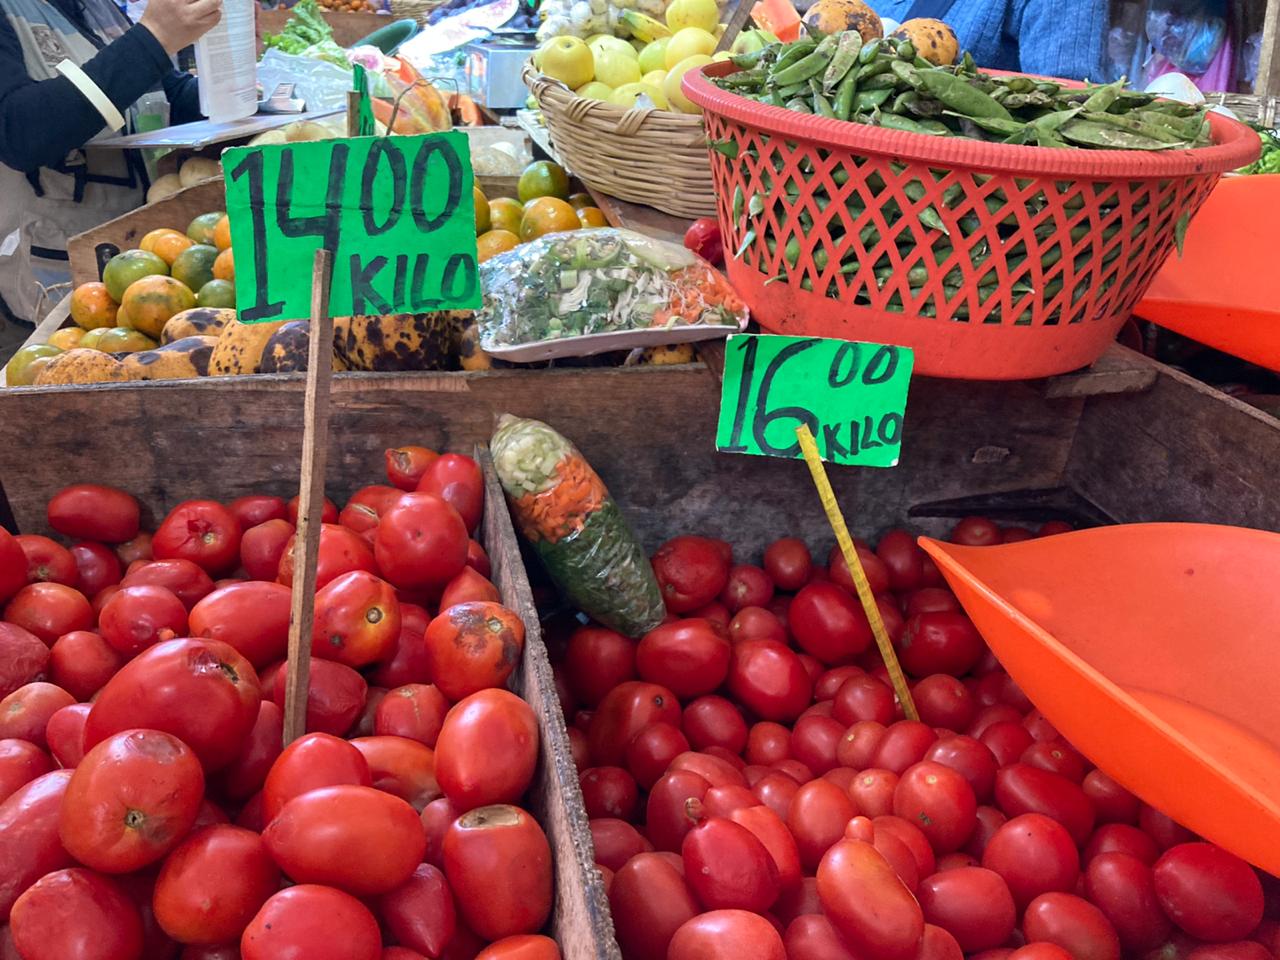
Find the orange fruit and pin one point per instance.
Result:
(542, 178)
(201, 228)
(547, 215)
(224, 266)
(482, 209)
(170, 245)
(592, 217)
(580, 200)
(505, 214)
(152, 300)
(149, 241)
(92, 306)
(194, 266)
(222, 233)
(494, 242)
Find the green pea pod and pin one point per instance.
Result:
(1004, 127)
(865, 101)
(748, 239)
(840, 176)
(1136, 123)
(961, 97)
(906, 73)
(798, 105)
(793, 90)
(794, 53)
(749, 60)
(869, 50)
(775, 99)
(821, 105)
(906, 50)
(934, 127)
(1088, 133)
(843, 105)
(812, 65)
(1019, 84)
(1101, 99)
(881, 81)
(903, 101)
(739, 200)
(891, 121)
(1052, 121)
(845, 59)
(873, 69)
(755, 206)
(1048, 138)
(933, 220)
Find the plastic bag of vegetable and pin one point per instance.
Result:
(564, 510)
(584, 283)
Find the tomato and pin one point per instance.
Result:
(487, 750)
(256, 509)
(931, 600)
(904, 743)
(597, 660)
(649, 900)
(940, 642)
(252, 617)
(524, 947)
(261, 548)
(20, 763)
(1057, 757)
(876, 572)
(416, 711)
(312, 761)
(973, 904)
(1122, 838)
(872, 791)
(76, 913)
(341, 551)
(812, 937)
(65, 734)
(135, 549)
(817, 818)
(139, 617)
(48, 561)
(213, 884)
(859, 743)
(366, 506)
(188, 582)
(201, 691)
(943, 701)
(25, 713)
(1035, 855)
(468, 586)
(406, 465)
(975, 532)
(768, 742)
(616, 841)
(814, 742)
(1123, 888)
(747, 586)
(652, 750)
(310, 922)
(421, 542)
(97, 567)
(49, 610)
(473, 647)
(1162, 828)
(420, 913)
(728, 868)
(769, 679)
(971, 759)
(727, 935)
(863, 697)
(717, 770)
(357, 620)
(131, 800)
(691, 572)
(989, 821)
(626, 710)
(756, 623)
(940, 801)
(1007, 740)
(499, 841)
(401, 767)
(788, 563)
(1072, 923)
(1112, 802)
(13, 565)
(903, 559)
(23, 657)
(335, 696)
(772, 831)
(666, 819)
(457, 480)
(248, 772)
(829, 623)
(867, 903)
(1021, 788)
(328, 510)
(609, 792)
(86, 511)
(29, 842)
(1240, 950)
(408, 663)
(1209, 893)
(689, 657)
(202, 531)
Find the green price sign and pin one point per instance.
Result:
(396, 213)
(852, 395)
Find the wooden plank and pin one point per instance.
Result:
(1119, 370)
(580, 920)
(1268, 82)
(315, 454)
(55, 319)
(646, 220)
(736, 23)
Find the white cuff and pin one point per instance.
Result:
(93, 93)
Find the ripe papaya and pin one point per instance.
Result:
(286, 351)
(196, 322)
(401, 341)
(182, 359)
(81, 366)
(240, 346)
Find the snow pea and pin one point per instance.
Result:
(961, 96)
(810, 66)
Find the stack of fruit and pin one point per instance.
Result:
(545, 205)
(146, 804)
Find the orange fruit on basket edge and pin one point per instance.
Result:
(169, 246)
(493, 242)
(580, 200)
(148, 242)
(505, 214)
(224, 266)
(152, 300)
(592, 217)
(547, 215)
(222, 233)
(92, 306)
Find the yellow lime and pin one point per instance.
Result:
(595, 90)
(614, 68)
(689, 42)
(568, 60)
(655, 77)
(703, 14)
(542, 178)
(749, 41)
(17, 372)
(67, 338)
(721, 55)
(671, 86)
(654, 56)
(628, 94)
(619, 46)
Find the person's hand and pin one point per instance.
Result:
(180, 23)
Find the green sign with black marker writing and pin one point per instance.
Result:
(397, 214)
(852, 395)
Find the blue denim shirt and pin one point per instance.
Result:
(1055, 38)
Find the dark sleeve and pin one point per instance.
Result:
(183, 94)
(64, 118)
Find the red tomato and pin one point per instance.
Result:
(457, 481)
(366, 507)
(49, 610)
(830, 681)
(867, 903)
(96, 565)
(649, 900)
(499, 841)
(468, 586)
(20, 763)
(13, 565)
(876, 572)
(769, 679)
(1035, 855)
(728, 868)
(137, 548)
(859, 743)
(1209, 893)
(609, 792)
(616, 841)
(524, 947)
(248, 772)
(341, 551)
(355, 838)
(812, 937)
(1021, 788)
(1007, 740)
(416, 711)
(1240, 950)
(1057, 757)
(420, 913)
(716, 770)
(943, 701)
(756, 623)
(931, 600)
(863, 697)
(252, 617)
(261, 548)
(256, 509)
(903, 559)
(86, 511)
(357, 620)
(941, 801)
(473, 647)
(1123, 888)
(689, 657)
(328, 510)
(131, 800)
(310, 922)
(971, 759)
(188, 582)
(335, 696)
(652, 750)
(972, 904)
(312, 761)
(817, 818)
(597, 660)
(202, 531)
(772, 831)
(213, 884)
(829, 623)
(1072, 923)
(487, 750)
(727, 935)
(48, 561)
(747, 586)
(768, 742)
(408, 664)
(29, 842)
(989, 821)
(626, 710)
(691, 572)
(814, 742)
(23, 657)
(1112, 802)
(904, 743)
(76, 913)
(421, 542)
(976, 532)
(478, 560)
(872, 791)
(406, 465)
(1162, 828)
(25, 713)
(139, 617)
(199, 690)
(401, 767)
(940, 643)
(1122, 838)
(65, 734)
(666, 819)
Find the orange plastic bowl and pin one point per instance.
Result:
(1152, 648)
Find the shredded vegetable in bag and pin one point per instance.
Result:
(563, 509)
(601, 280)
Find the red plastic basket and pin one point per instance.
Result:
(1044, 255)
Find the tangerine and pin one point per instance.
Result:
(151, 301)
(542, 178)
(92, 306)
(67, 338)
(493, 242)
(482, 209)
(547, 215)
(505, 214)
(580, 200)
(124, 268)
(149, 241)
(224, 267)
(201, 228)
(169, 246)
(592, 217)
(222, 233)
(194, 266)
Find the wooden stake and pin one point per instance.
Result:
(810, 450)
(306, 550)
(735, 24)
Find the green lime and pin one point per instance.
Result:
(194, 265)
(217, 293)
(124, 268)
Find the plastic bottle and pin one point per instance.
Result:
(226, 63)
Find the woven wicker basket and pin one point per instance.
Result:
(1247, 106)
(414, 9)
(654, 157)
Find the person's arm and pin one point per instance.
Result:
(183, 93)
(1061, 40)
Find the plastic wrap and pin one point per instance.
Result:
(585, 18)
(565, 512)
(603, 281)
(321, 84)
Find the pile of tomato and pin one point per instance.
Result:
(755, 791)
(148, 807)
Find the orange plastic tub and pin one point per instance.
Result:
(1221, 291)
(1152, 648)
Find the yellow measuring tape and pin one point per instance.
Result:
(810, 450)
